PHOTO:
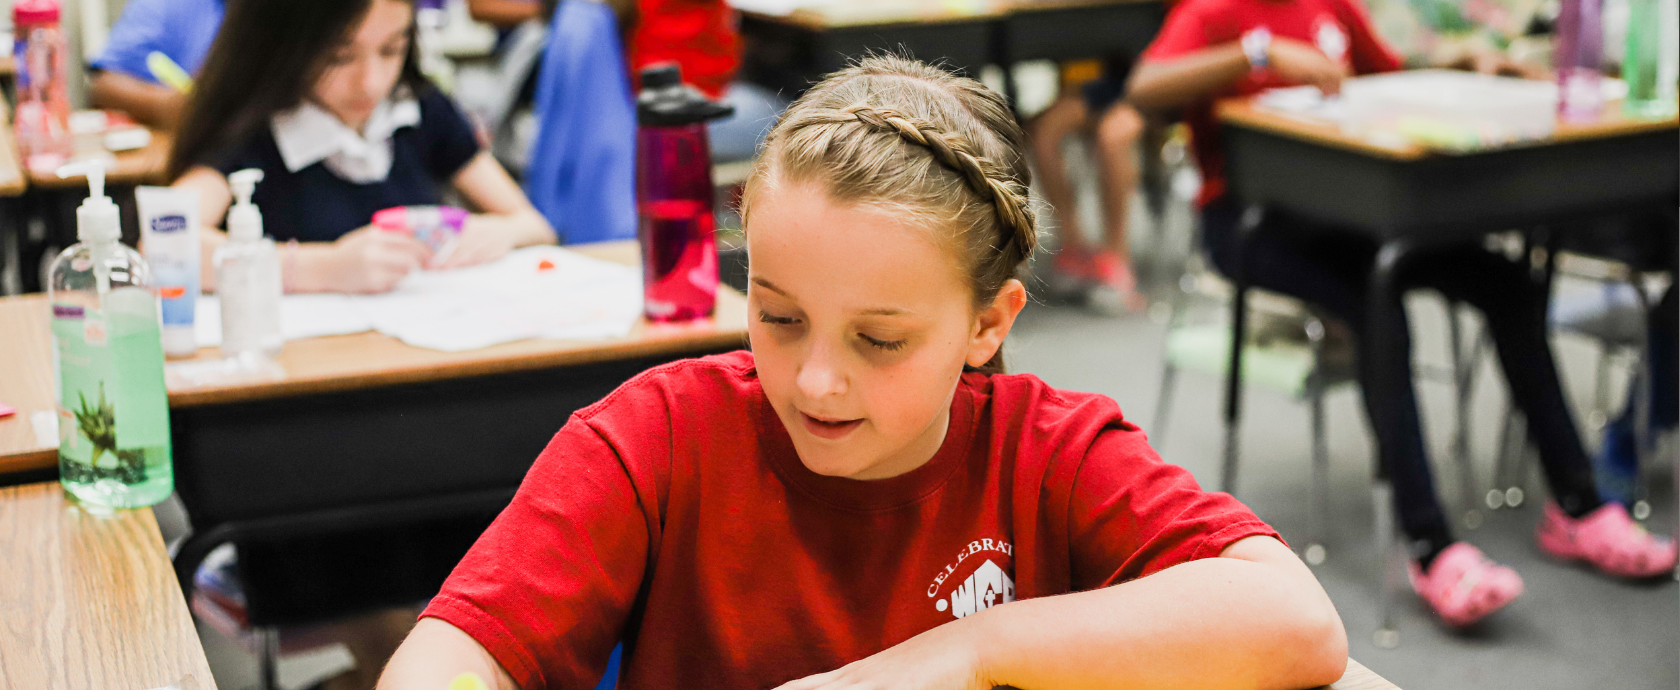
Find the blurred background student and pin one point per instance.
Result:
(1095, 105)
(1210, 49)
(122, 79)
(326, 99)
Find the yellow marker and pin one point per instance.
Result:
(168, 72)
(468, 681)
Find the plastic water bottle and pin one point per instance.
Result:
(674, 197)
(1651, 65)
(113, 408)
(1577, 55)
(42, 119)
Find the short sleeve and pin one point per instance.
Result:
(145, 26)
(1188, 28)
(1368, 51)
(1132, 514)
(548, 587)
(450, 140)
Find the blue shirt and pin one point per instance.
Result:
(315, 205)
(181, 29)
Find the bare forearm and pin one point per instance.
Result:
(526, 227)
(1213, 623)
(434, 653)
(155, 106)
(504, 13)
(1167, 84)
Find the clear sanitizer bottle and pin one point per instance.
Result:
(113, 409)
(248, 278)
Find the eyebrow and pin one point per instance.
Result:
(877, 311)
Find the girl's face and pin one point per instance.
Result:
(361, 72)
(860, 326)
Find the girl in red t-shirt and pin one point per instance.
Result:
(857, 501)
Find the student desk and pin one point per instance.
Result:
(90, 600)
(362, 431)
(1408, 198)
(790, 52)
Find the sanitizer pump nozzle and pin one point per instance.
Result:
(244, 220)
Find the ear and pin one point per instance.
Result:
(992, 324)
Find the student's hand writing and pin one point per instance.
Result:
(1302, 63)
(370, 260)
(945, 658)
(482, 239)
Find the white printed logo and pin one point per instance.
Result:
(987, 587)
(1331, 39)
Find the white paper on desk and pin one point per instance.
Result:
(513, 298)
(301, 316)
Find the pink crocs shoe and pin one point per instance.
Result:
(1607, 539)
(1463, 586)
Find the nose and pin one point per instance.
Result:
(821, 374)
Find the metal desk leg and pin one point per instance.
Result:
(1252, 219)
(1380, 337)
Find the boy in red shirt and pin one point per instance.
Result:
(859, 501)
(1213, 49)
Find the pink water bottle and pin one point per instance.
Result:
(674, 197)
(42, 119)
(1577, 54)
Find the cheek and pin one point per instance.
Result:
(904, 397)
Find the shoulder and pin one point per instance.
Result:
(437, 108)
(658, 394)
(257, 150)
(1045, 423)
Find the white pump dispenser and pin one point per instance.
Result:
(244, 221)
(97, 219)
(248, 277)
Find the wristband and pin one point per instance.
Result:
(1256, 46)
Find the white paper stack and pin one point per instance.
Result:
(536, 292)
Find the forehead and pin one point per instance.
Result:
(384, 18)
(850, 256)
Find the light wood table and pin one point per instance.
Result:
(145, 165)
(90, 600)
(1357, 677)
(337, 363)
(362, 431)
(790, 52)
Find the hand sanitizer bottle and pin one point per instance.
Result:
(248, 277)
(113, 410)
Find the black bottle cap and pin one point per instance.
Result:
(667, 102)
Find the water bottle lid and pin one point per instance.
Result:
(35, 11)
(667, 102)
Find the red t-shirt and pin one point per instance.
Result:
(674, 515)
(1340, 28)
(699, 35)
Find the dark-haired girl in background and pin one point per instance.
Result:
(325, 96)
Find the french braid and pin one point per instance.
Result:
(860, 134)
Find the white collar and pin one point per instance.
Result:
(308, 134)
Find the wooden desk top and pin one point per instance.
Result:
(90, 601)
(1245, 112)
(146, 165)
(338, 363)
(1357, 677)
(859, 13)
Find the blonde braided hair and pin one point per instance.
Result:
(904, 135)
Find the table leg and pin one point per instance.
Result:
(1252, 219)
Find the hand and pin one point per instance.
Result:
(482, 240)
(945, 658)
(371, 260)
(1302, 63)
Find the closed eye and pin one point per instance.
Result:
(888, 345)
(776, 320)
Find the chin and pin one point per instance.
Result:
(829, 462)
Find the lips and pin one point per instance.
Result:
(831, 429)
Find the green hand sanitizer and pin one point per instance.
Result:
(113, 410)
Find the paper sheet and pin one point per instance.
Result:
(535, 292)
